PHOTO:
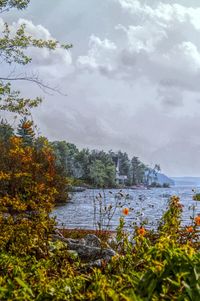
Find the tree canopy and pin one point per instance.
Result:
(6, 5)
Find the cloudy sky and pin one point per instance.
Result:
(132, 77)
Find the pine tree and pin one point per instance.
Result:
(26, 132)
(6, 131)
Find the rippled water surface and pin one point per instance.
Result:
(145, 204)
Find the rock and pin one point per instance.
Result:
(88, 249)
(95, 264)
(70, 241)
(87, 253)
(92, 241)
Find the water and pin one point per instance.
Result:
(145, 204)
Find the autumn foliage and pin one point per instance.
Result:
(27, 194)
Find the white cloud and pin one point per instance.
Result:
(45, 57)
(37, 31)
(100, 55)
(161, 45)
(163, 13)
(42, 57)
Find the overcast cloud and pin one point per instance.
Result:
(132, 78)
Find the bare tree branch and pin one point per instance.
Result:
(43, 86)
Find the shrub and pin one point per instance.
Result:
(26, 196)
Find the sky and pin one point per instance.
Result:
(130, 82)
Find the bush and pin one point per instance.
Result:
(26, 197)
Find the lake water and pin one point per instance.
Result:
(144, 204)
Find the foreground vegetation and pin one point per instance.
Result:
(161, 265)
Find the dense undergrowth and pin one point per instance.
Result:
(162, 265)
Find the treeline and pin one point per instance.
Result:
(99, 168)
(82, 167)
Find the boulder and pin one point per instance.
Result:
(89, 249)
(92, 241)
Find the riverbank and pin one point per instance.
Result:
(135, 187)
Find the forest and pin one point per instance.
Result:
(98, 168)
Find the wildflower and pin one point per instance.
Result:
(175, 198)
(141, 231)
(125, 211)
(115, 258)
(197, 220)
(189, 229)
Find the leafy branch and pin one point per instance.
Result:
(13, 51)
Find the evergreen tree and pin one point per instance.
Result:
(6, 131)
(138, 171)
(125, 166)
(84, 160)
(26, 132)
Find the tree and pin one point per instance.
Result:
(67, 158)
(13, 48)
(151, 174)
(25, 131)
(27, 194)
(97, 173)
(138, 171)
(28, 178)
(110, 175)
(72, 164)
(124, 166)
(60, 180)
(6, 131)
(101, 174)
(6, 5)
(83, 158)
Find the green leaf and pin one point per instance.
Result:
(24, 285)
